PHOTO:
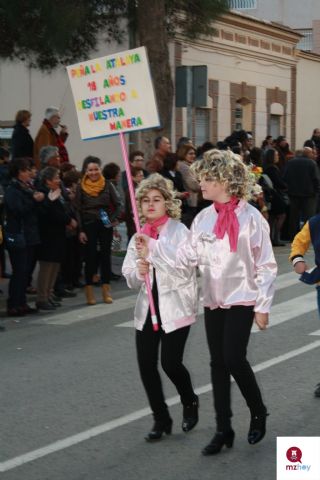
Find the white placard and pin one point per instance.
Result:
(114, 94)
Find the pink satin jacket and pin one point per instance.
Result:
(245, 277)
(177, 287)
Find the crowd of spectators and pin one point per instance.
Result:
(65, 221)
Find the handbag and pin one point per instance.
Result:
(15, 241)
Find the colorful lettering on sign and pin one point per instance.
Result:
(123, 61)
(134, 93)
(82, 70)
(106, 114)
(114, 81)
(125, 123)
(100, 101)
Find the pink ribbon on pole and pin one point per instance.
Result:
(138, 228)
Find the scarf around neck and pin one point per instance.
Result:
(93, 188)
(151, 228)
(227, 222)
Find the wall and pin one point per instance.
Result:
(308, 96)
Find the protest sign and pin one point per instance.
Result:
(114, 94)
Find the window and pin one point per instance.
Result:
(243, 114)
(243, 4)
(306, 43)
(238, 116)
(202, 126)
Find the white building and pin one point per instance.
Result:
(301, 15)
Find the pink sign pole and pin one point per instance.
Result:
(137, 223)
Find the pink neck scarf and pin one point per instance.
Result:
(227, 222)
(151, 228)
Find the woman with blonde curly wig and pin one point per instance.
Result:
(229, 241)
(175, 297)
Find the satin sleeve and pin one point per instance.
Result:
(169, 257)
(129, 267)
(265, 267)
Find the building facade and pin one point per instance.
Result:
(303, 16)
(252, 75)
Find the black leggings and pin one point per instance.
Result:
(228, 332)
(97, 234)
(172, 348)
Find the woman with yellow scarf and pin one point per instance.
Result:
(98, 206)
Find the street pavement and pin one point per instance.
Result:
(72, 406)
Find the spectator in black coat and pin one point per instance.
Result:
(53, 220)
(22, 142)
(303, 180)
(20, 203)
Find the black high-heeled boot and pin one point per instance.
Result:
(159, 427)
(219, 440)
(257, 429)
(190, 415)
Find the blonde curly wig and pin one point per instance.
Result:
(227, 168)
(165, 187)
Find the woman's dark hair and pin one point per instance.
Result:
(71, 177)
(310, 144)
(256, 156)
(184, 149)
(17, 165)
(110, 171)
(22, 116)
(48, 173)
(170, 161)
(135, 153)
(87, 160)
(268, 158)
(135, 171)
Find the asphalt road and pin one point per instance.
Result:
(72, 406)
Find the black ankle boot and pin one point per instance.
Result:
(190, 415)
(159, 427)
(257, 429)
(216, 444)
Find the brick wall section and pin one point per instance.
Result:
(214, 94)
(177, 63)
(238, 91)
(293, 107)
(316, 36)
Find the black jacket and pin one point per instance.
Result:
(21, 212)
(302, 177)
(53, 219)
(21, 141)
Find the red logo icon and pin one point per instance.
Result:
(294, 454)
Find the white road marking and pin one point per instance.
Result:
(128, 302)
(287, 280)
(86, 312)
(281, 312)
(126, 419)
(316, 333)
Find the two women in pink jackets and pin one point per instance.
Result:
(229, 242)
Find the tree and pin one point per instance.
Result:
(64, 32)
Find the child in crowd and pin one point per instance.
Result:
(229, 242)
(175, 297)
(300, 245)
